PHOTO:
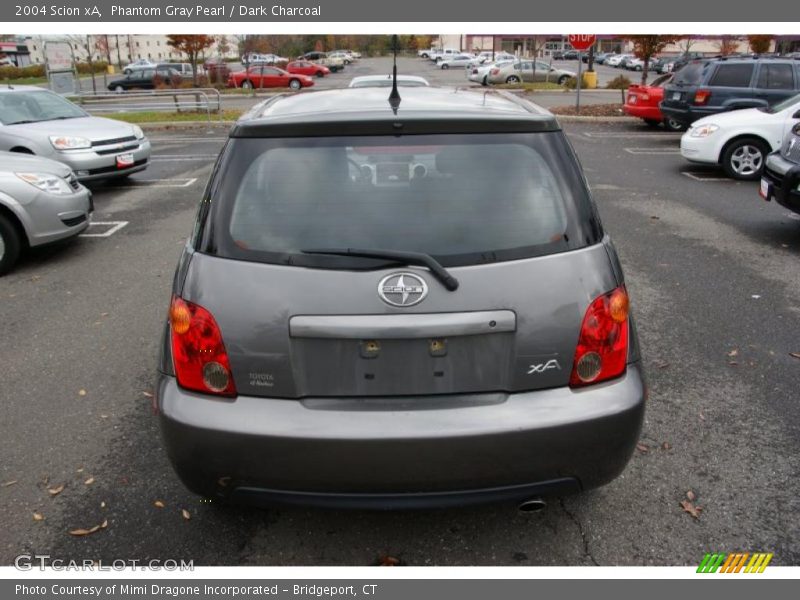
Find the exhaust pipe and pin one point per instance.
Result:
(532, 505)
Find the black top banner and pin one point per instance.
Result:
(607, 12)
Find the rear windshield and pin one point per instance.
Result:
(464, 199)
(690, 74)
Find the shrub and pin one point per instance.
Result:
(620, 82)
(98, 66)
(571, 83)
(10, 72)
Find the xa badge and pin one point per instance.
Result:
(402, 289)
(542, 367)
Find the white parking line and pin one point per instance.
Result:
(603, 186)
(705, 176)
(181, 157)
(177, 182)
(115, 227)
(652, 151)
(188, 139)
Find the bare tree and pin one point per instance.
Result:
(727, 44)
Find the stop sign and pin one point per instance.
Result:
(582, 42)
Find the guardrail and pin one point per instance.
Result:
(207, 100)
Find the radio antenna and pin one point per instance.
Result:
(394, 97)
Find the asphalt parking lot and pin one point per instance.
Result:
(714, 276)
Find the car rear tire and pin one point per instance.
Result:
(563, 79)
(295, 84)
(247, 85)
(744, 158)
(485, 80)
(119, 89)
(445, 66)
(319, 74)
(10, 244)
(673, 125)
(512, 79)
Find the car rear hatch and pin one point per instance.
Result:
(509, 219)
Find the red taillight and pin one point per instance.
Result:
(495, 71)
(645, 97)
(602, 351)
(702, 96)
(198, 353)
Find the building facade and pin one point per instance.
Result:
(122, 49)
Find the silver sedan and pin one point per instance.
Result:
(41, 201)
(517, 72)
(36, 121)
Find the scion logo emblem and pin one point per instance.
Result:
(402, 289)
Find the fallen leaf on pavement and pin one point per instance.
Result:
(794, 354)
(702, 416)
(38, 516)
(643, 448)
(666, 446)
(733, 352)
(158, 504)
(8, 483)
(55, 491)
(690, 495)
(186, 514)
(89, 481)
(388, 561)
(91, 530)
(81, 392)
(691, 508)
(102, 504)
(147, 394)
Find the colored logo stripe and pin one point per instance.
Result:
(711, 562)
(734, 562)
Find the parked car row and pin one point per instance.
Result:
(48, 148)
(446, 58)
(741, 113)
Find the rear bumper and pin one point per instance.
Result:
(784, 178)
(643, 111)
(402, 452)
(686, 114)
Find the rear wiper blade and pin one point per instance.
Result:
(409, 258)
